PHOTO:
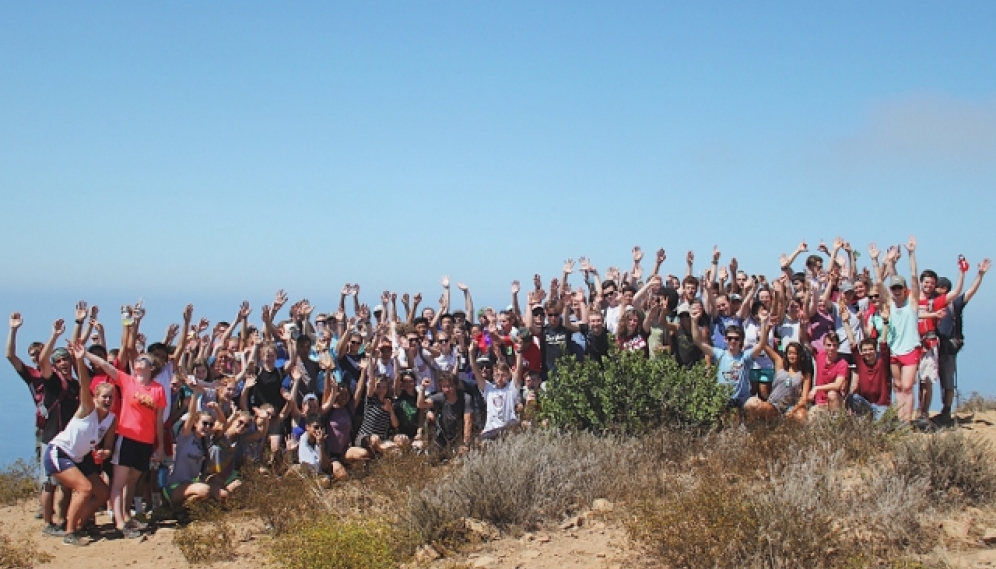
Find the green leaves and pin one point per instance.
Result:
(628, 393)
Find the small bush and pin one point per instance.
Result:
(204, 542)
(23, 554)
(629, 393)
(525, 479)
(282, 503)
(332, 543)
(955, 466)
(977, 403)
(18, 481)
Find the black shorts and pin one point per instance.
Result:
(133, 454)
(87, 466)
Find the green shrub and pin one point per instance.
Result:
(18, 481)
(629, 393)
(332, 543)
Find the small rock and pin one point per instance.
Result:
(543, 539)
(427, 554)
(602, 505)
(483, 529)
(572, 522)
(600, 554)
(485, 562)
(990, 536)
(955, 529)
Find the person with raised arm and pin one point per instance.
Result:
(733, 363)
(931, 308)
(33, 380)
(501, 397)
(69, 455)
(140, 434)
(949, 331)
(185, 483)
(450, 411)
(790, 388)
(903, 332)
(873, 374)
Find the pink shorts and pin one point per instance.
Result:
(910, 359)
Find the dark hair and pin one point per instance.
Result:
(610, 283)
(98, 350)
(447, 315)
(866, 342)
(736, 329)
(831, 335)
(628, 288)
(420, 320)
(690, 280)
(812, 260)
(928, 273)
(157, 346)
(755, 307)
(553, 307)
(312, 419)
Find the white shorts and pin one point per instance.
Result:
(929, 370)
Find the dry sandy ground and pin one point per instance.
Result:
(596, 544)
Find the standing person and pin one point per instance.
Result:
(932, 307)
(140, 434)
(69, 459)
(62, 397)
(949, 331)
(32, 378)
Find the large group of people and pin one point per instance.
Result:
(145, 425)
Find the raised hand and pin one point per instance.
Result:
(823, 248)
(911, 244)
(418, 298)
(661, 256)
(515, 287)
(59, 327)
(537, 282)
(783, 261)
(612, 274)
(463, 287)
(94, 310)
(690, 257)
(355, 291)
(873, 251)
(80, 310)
(172, 330)
(385, 298)
(838, 243)
(364, 312)
(637, 254)
(305, 308)
(250, 379)
(568, 266)
(76, 349)
(802, 246)
(734, 265)
(405, 299)
(15, 321)
(715, 253)
(984, 266)
(264, 313)
(445, 281)
(325, 361)
(723, 274)
(290, 444)
(345, 289)
(279, 300)
(586, 265)
(637, 272)
(244, 310)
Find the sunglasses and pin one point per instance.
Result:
(241, 423)
(206, 423)
(610, 293)
(733, 339)
(354, 343)
(874, 296)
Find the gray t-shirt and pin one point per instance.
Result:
(191, 451)
(786, 389)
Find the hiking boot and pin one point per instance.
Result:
(54, 530)
(76, 538)
(136, 524)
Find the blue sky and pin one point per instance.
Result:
(219, 152)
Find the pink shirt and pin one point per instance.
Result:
(827, 373)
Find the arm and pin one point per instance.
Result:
(953, 294)
(423, 402)
(915, 279)
(15, 323)
(44, 362)
(658, 261)
(188, 425)
(478, 377)
(700, 341)
(468, 302)
(762, 341)
(110, 370)
(86, 398)
(78, 322)
(984, 267)
(774, 356)
(689, 261)
(515, 300)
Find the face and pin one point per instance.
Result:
(269, 356)
(203, 425)
(792, 356)
(762, 314)
(860, 289)
(611, 296)
(504, 323)
(408, 383)
(723, 306)
(765, 297)
(229, 391)
(354, 344)
(422, 328)
(428, 314)
(793, 309)
(628, 295)
(104, 398)
(33, 354)
(502, 376)
(830, 346)
(241, 424)
(447, 324)
(868, 353)
(382, 387)
(928, 285)
(596, 322)
(898, 293)
(943, 291)
(201, 372)
(443, 342)
(734, 342)
(159, 357)
(632, 322)
(447, 389)
(689, 289)
(143, 363)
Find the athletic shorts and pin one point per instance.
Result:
(55, 460)
(131, 453)
(928, 368)
(762, 375)
(87, 466)
(910, 359)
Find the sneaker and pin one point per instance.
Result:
(131, 533)
(54, 530)
(136, 524)
(76, 538)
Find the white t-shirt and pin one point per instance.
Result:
(612, 318)
(501, 405)
(165, 379)
(788, 331)
(752, 331)
(307, 453)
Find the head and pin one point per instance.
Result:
(303, 346)
(596, 321)
(159, 353)
(502, 374)
(62, 362)
(200, 369)
(943, 286)
(408, 382)
(99, 351)
(222, 363)
(446, 322)
(103, 397)
(312, 424)
(143, 365)
(610, 292)
(443, 342)
(734, 339)
(428, 314)
(758, 311)
(35, 350)
(241, 424)
(799, 281)
(764, 295)
(689, 287)
(814, 263)
(898, 289)
(533, 379)
(310, 404)
(631, 322)
(448, 385)
(723, 305)
(553, 313)
(421, 326)
(867, 350)
(227, 388)
(204, 423)
(459, 319)
(928, 282)
(860, 288)
(793, 309)
(628, 292)
(505, 320)
(793, 356)
(831, 343)
(268, 353)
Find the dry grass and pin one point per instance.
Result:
(957, 468)
(20, 554)
(977, 403)
(205, 542)
(18, 481)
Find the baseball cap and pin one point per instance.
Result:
(684, 308)
(735, 297)
(848, 286)
(378, 308)
(896, 280)
(944, 282)
(309, 397)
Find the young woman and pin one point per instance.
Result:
(630, 335)
(378, 414)
(790, 389)
(227, 452)
(140, 434)
(338, 410)
(185, 482)
(762, 372)
(68, 457)
(450, 411)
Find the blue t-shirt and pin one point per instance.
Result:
(735, 371)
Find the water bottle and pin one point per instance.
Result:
(962, 264)
(162, 475)
(126, 318)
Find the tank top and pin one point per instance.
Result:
(904, 333)
(79, 437)
(188, 461)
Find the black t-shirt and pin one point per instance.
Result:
(596, 346)
(60, 405)
(350, 368)
(686, 353)
(267, 389)
(449, 417)
(406, 410)
(555, 344)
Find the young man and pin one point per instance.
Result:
(733, 364)
(931, 308)
(32, 378)
(949, 331)
(500, 398)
